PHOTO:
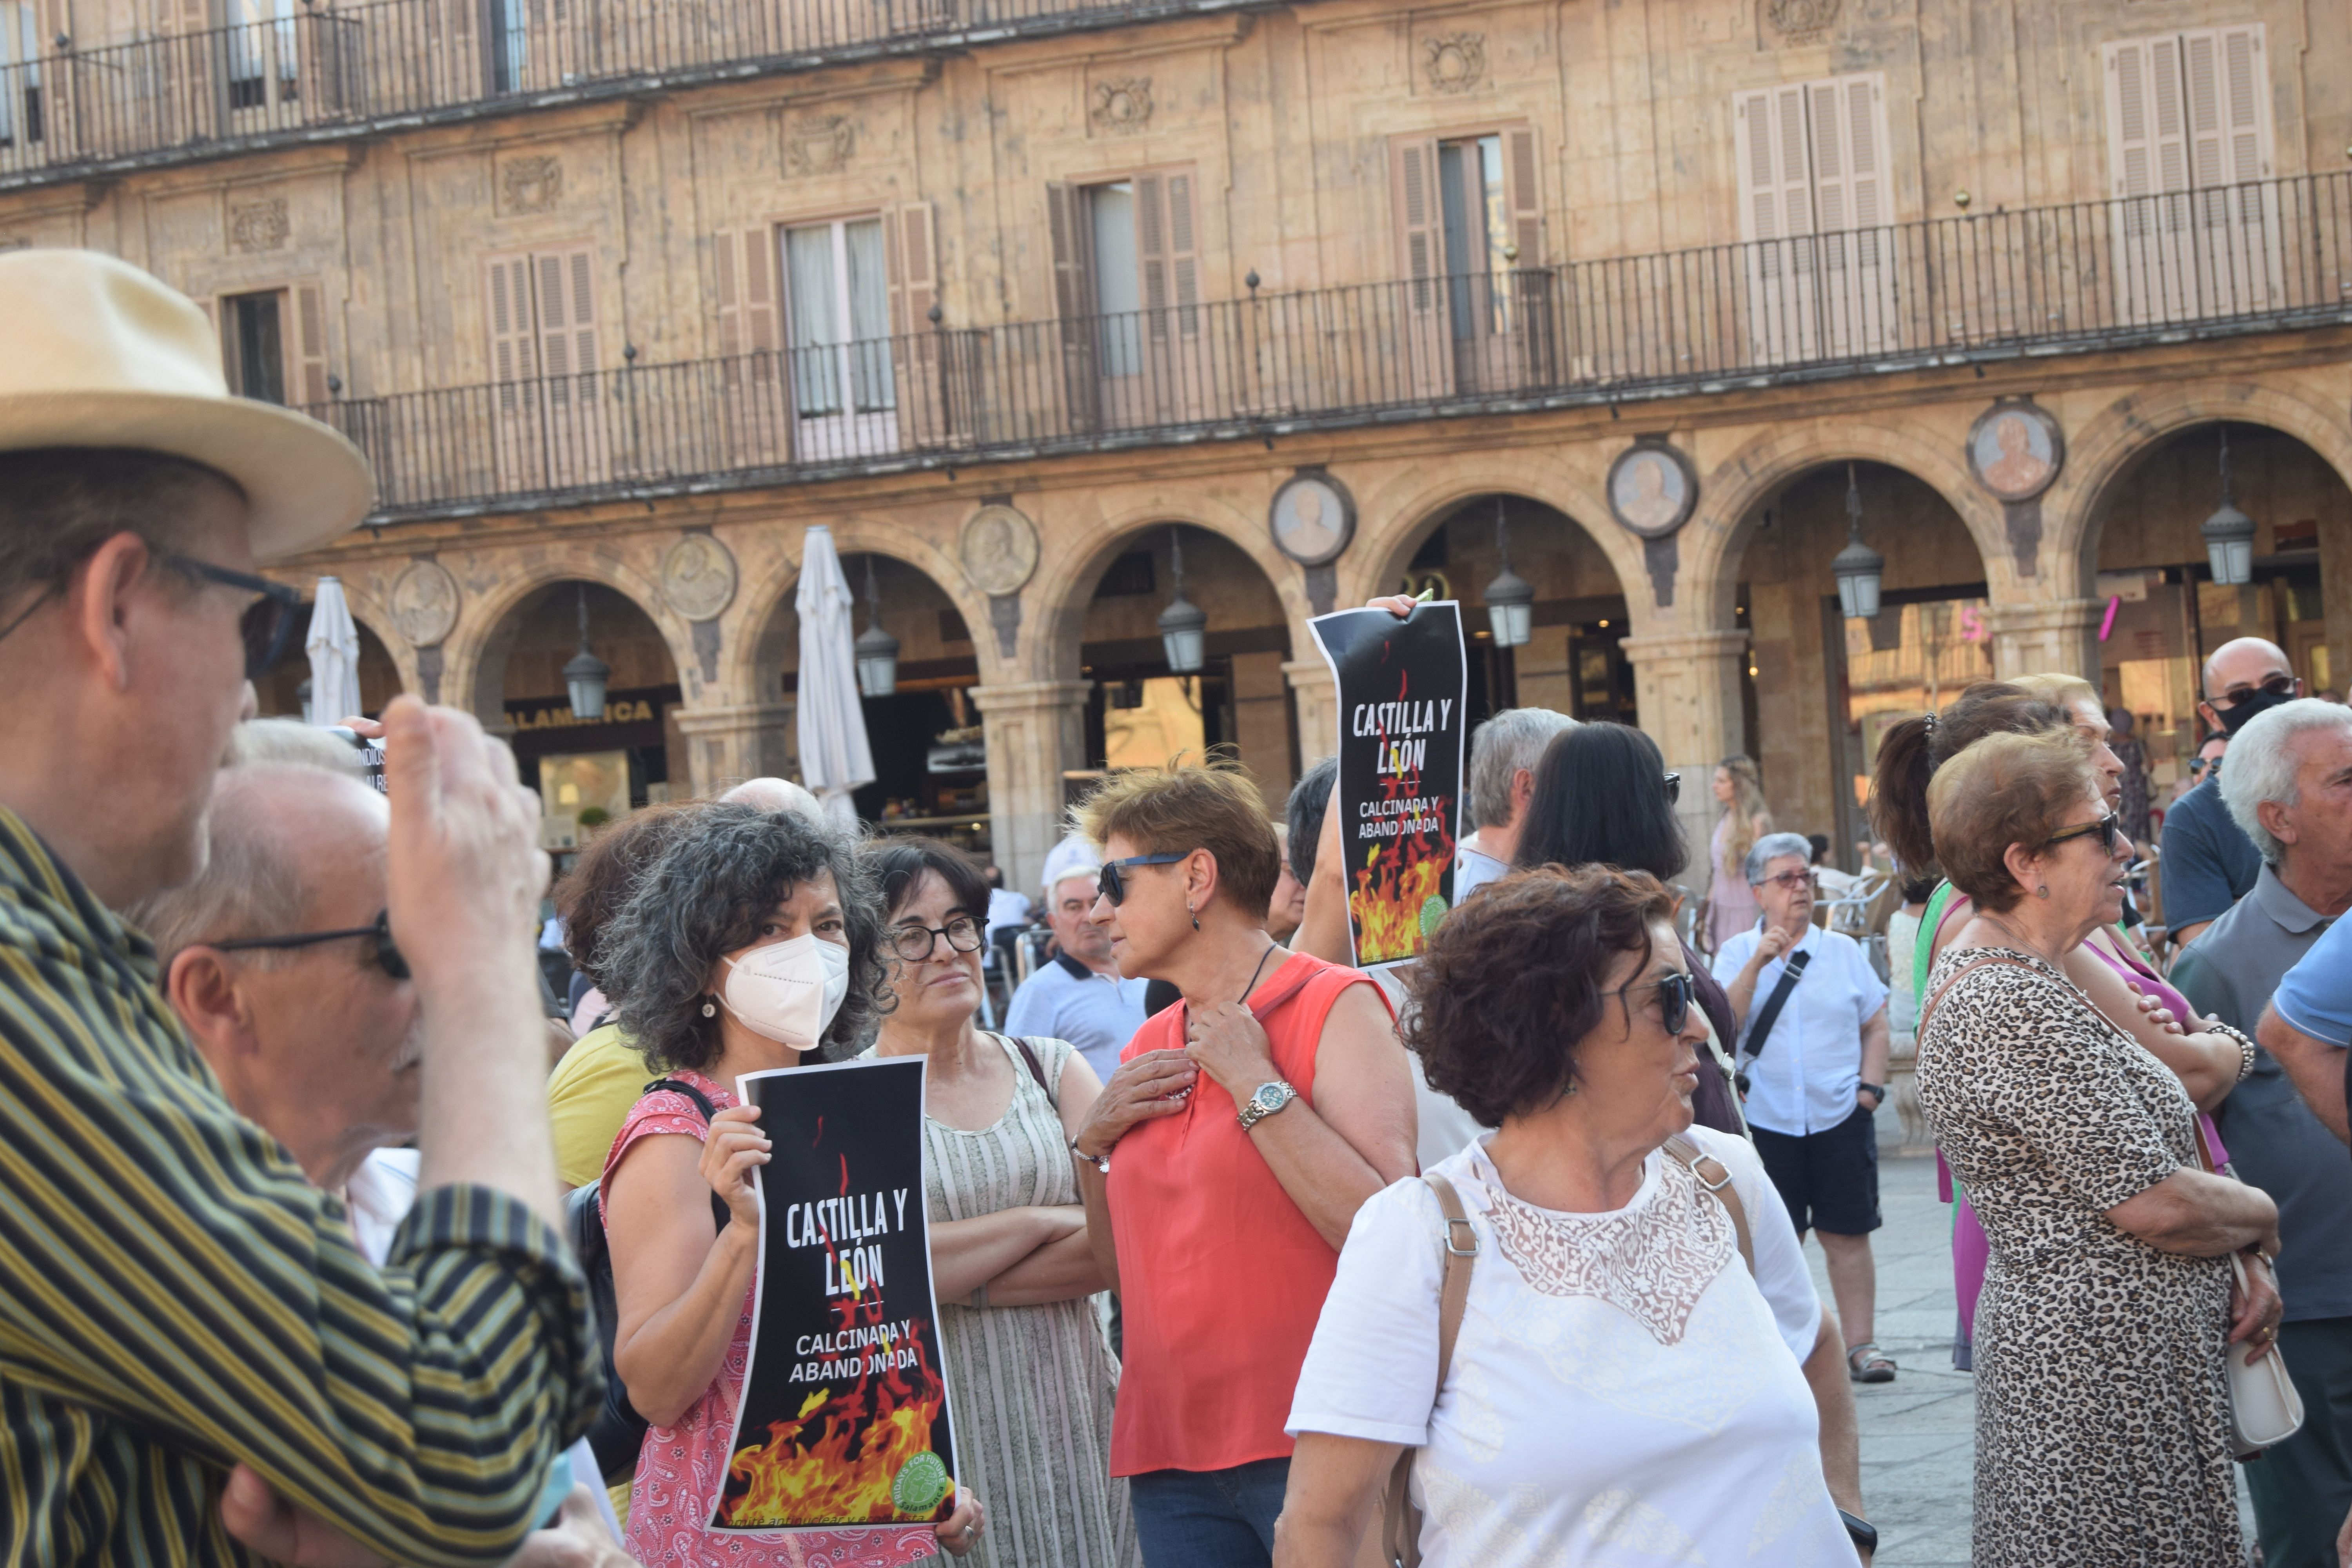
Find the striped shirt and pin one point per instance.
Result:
(175, 1297)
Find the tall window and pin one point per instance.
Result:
(837, 317)
(274, 344)
(263, 55)
(1127, 283)
(1816, 214)
(548, 405)
(1469, 231)
(20, 73)
(2189, 137)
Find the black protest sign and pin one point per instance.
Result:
(844, 1418)
(1403, 685)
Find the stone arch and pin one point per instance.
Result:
(2133, 427)
(1397, 516)
(374, 626)
(494, 584)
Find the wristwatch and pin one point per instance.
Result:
(1269, 1099)
(1864, 1533)
(1877, 1090)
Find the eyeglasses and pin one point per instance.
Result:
(2197, 766)
(266, 622)
(1789, 881)
(1675, 994)
(915, 943)
(389, 957)
(2108, 827)
(1113, 886)
(2277, 686)
(1674, 788)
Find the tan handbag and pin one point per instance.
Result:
(1396, 1542)
(2264, 1408)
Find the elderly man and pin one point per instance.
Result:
(1079, 995)
(1503, 752)
(2209, 861)
(307, 1016)
(228, 1324)
(1812, 1052)
(2288, 780)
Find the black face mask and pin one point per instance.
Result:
(2255, 702)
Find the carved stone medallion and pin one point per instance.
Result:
(1313, 518)
(1455, 62)
(998, 549)
(819, 143)
(424, 603)
(1122, 105)
(2015, 449)
(260, 226)
(1800, 21)
(531, 184)
(1652, 487)
(697, 577)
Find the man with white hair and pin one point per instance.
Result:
(1503, 752)
(2209, 862)
(1079, 995)
(2288, 780)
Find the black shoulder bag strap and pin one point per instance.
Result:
(1036, 1067)
(1759, 1033)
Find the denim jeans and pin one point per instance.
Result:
(1209, 1518)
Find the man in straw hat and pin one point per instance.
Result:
(194, 1362)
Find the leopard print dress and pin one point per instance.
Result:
(2102, 1413)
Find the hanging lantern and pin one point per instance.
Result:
(1510, 598)
(1858, 568)
(1184, 624)
(876, 650)
(2229, 533)
(585, 675)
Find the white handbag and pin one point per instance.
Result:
(2264, 1408)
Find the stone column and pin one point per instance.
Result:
(726, 745)
(2060, 636)
(1035, 731)
(1317, 696)
(1686, 686)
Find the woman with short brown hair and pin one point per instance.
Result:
(2103, 1416)
(1225, 1158)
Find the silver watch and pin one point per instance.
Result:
(1269, 1099)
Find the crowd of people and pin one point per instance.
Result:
(1243, 1255)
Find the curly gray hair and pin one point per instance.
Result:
(2263, 763)
(703, 897)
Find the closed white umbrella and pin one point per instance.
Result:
(335, 649)
(834, 758)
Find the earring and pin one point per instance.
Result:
(2043, 891)
(1196, 916)
(709, 1008)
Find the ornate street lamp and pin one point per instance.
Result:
(584, 677)
(877, 650)
(1510, 598)
(1183, 624)
(2229, 533)
(1858, 567)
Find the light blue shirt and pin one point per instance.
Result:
(1805, 1076)
(1095, 1013)
(2316, 995)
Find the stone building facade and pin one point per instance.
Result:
(1016, 297)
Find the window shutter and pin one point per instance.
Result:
(2131, 133)
(1151, 250)
(1775, 183)
(1524, 195)
(1065, 231)
(914, 267)
(1183, 255)
(506, 291)
(2243, 122)
(305, 345)
(746, 295)
(567, 313)
(1413, 202)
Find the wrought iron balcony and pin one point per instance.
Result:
(326, 71)
(2088, 278)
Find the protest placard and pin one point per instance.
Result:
(843, 1419)
(1403, 685)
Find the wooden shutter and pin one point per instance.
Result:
(305, 345)
(1151, 250)
(506, 292)
(566, 301)
(1420, 225)
(1847, 141)
(2225, 83)
(746, 295)
(1183, 254)
(1074, 295)
(2131, 119)
(1524, 196)
(1775, 177)
(914, 267)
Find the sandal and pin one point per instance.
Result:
(1866, 1363)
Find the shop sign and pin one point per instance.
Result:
(643, 706)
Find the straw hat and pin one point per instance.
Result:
(104, 355)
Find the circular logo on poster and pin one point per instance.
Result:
(920, 1484)
(697, 577)
(2015, 450)
(999, 550)
(1313, 518)
(1652, 488)
(424, 603)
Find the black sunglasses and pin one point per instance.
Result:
(2108, 827)
(266, 622)
(394, 962)
(2277, 686)
(1113, 886)
(1675, 994)
(1674, 788)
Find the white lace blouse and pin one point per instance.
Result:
(1621, 1392)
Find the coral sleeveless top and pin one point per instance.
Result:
(1221, 1278)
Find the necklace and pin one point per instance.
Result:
(1271, 947)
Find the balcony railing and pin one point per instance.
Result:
(324, 71)
(2095, 276)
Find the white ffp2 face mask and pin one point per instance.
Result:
(787, 992)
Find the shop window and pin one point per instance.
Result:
(1816, 218)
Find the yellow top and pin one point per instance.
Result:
(588, 1098)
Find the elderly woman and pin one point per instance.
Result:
(1624, 1382)
(2103, 1415)
(732, 882)
(1030, 1372)
(1813, 1048)
(1225, 1158)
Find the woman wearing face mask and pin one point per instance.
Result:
(751, 942)
(1030, 1372)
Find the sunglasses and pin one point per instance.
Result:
(2277, 686)
(1674, 788)
(1788, 881)
(388, 957)
(1113, 886)
(916, 943)
(267, 621)
(1675, 994)
(2198, 765)
(2108, 827)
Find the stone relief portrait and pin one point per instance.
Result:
(424, 603)
(2015, 451)
(697, 577)
(1651, 489)
(1312, 519)
(998, 549)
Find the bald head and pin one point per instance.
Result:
(2243, 662)
(775, 795)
